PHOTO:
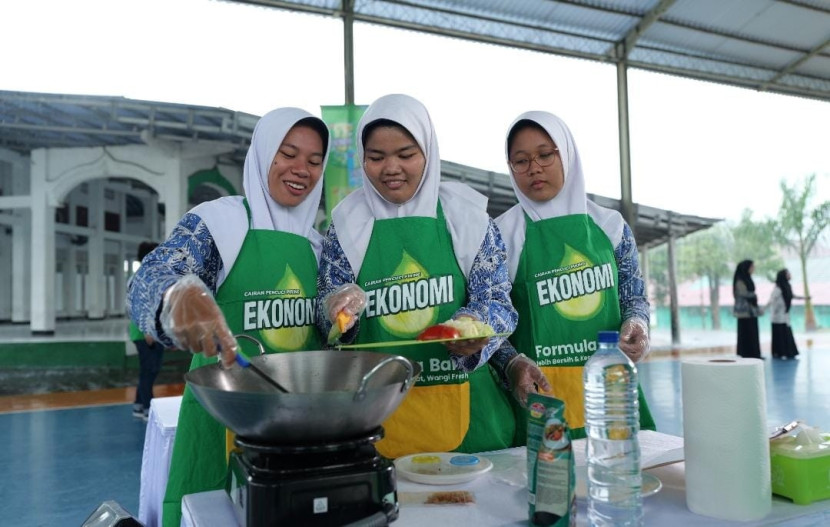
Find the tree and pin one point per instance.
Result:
(707, 254)
(658, 271)
(713, 253)
(757, 241)
(800, 227)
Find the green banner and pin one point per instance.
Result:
(343, 170)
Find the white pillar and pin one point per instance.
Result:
(96, 277)
(59, 299)
(21, 234)
(120, 307)
(43, 249)
(70, 278)
(151, 215)
(5, 272)
(175, 198)
(120, 272)
(80, 280)
(21, 271)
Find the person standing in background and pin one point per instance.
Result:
(780, 301)
(746, 310)
(150, 355)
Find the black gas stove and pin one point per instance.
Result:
(323, 484)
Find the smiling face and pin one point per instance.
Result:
(297, 166)
(531, 146)
(393, 162)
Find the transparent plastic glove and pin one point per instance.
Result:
(634, 339)
(525, 378)
(191, 318)
(809, 437)
(343, 306)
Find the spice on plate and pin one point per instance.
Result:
(444, 497)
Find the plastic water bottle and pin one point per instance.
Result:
(612, 421)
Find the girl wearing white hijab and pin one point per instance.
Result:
(573, 265)
(424, 252)
(223, 259)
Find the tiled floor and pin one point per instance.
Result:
(65, 454)
(795, 389)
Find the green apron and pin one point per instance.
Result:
(412, 280)
(566, 291)
(275, 307)
(135, 333)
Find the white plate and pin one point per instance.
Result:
(442, 468)
(651, 483)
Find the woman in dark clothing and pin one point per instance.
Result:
(746, 310)
(783, 343)
(150, 355)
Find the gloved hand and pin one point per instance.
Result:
(634, 339)
(525, 378)
(344, 305)
(193, 320)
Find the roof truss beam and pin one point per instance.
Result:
(634, 35)
(796, 63)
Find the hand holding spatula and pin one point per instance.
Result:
(194, 322)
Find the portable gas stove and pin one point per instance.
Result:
(322, 484)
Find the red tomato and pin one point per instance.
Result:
(439, 332)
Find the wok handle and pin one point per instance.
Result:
(252, 339)
(361, 391)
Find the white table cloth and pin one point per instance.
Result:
(501, 500)
(155, 461)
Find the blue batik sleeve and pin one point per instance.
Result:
(335, 271)
(488, 297)
(190, 249)
(633, 300)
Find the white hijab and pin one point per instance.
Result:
(226, 217)
(465, 210)
(570, 200)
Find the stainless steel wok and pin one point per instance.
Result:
(333, 394)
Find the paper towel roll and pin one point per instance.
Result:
(725, 438)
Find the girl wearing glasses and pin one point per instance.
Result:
(423, 252)
(573, 265)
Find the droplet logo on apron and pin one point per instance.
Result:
(576, 288)
(409, 300)
(294, 312)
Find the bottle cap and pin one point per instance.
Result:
(464, 460)
(608, 336)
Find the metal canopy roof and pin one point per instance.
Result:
(38, 120)
(780, 46)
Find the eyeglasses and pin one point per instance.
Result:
(521, 164)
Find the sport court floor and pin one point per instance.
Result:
(63, 454)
